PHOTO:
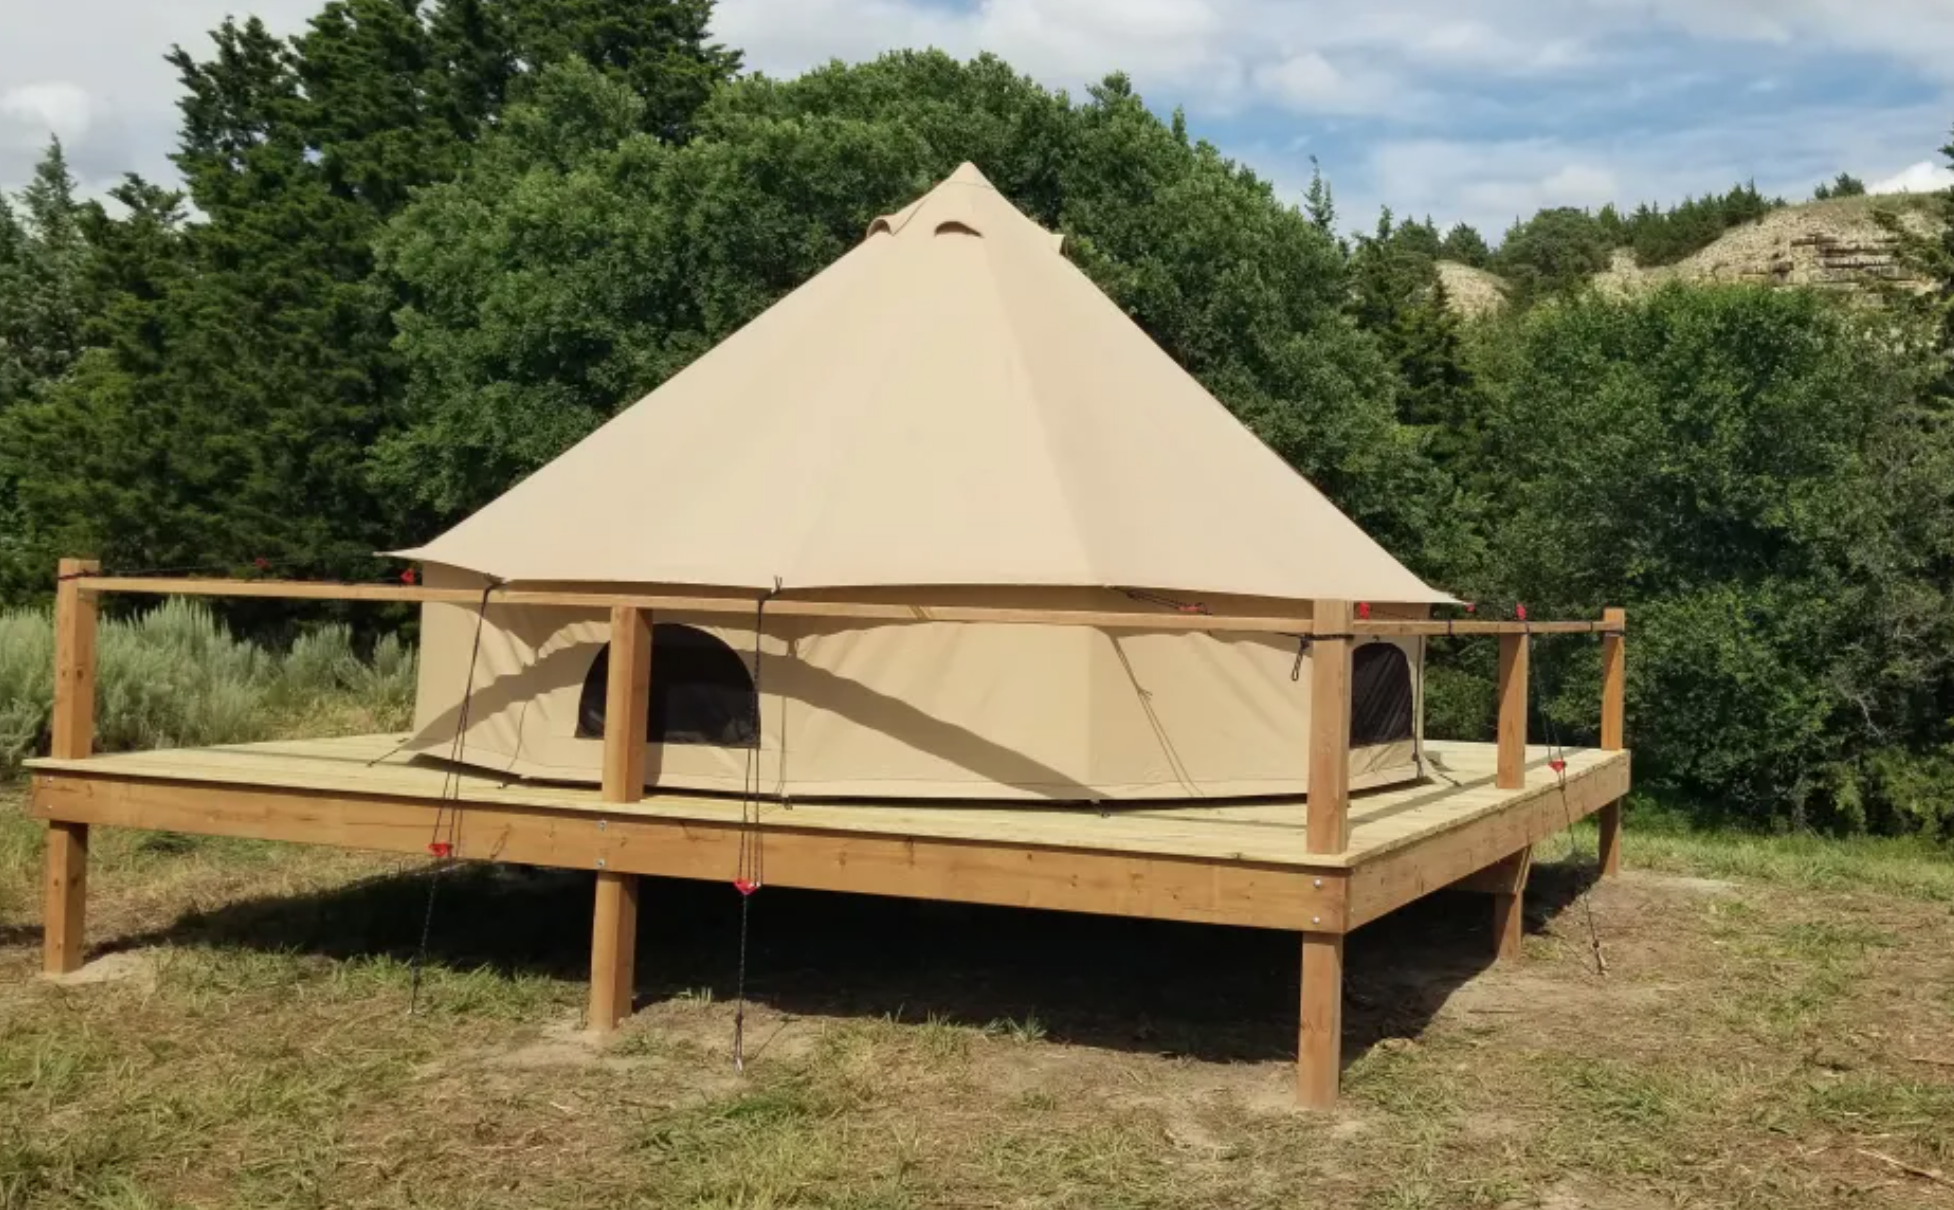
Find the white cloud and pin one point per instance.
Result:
(1918, 32)
(92, 71)
(1537, 98)
(1217, 56)
(1326, 55)
(1491, 182)
(1924, 177)
(32, 112)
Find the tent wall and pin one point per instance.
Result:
(912, 710)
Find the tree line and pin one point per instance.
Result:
(421, 248)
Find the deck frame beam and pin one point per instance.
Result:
(1004, 873)
(1399, 876)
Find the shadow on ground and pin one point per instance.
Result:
(1208, 992)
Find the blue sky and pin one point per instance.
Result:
(1476, 110)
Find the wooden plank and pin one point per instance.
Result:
(65, 914)
(299, 590)
(1403, 629)
(1614, 707)
(613, 946)
(741, 606)
(1328, 827)
(627, 701)
(1319, 1035)
(1512, 712)
(1415, 870)
(1007, 872)
(1261, 831)
(72, 727)
(1505, 876)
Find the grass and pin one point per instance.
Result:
(1776, 1015)
(1908, 867)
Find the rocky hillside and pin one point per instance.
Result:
(1473, 292)
(1830, 245)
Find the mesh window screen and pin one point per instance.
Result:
(701, 692)
(1380, 695)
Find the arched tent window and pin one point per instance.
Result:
(701, 692)
(1380, 696)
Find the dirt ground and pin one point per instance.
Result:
(241, 1037)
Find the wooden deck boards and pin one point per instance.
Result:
(1269, 833)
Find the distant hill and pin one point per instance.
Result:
(1473, 292)
(1831, 245)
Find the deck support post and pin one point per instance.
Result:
(1319, 1039)
(614, 925)
(1512, 769)
(1319, 1036)
(1614, 703)
(64, 921)
(613, 947)
(1509, 890)
(71, 737)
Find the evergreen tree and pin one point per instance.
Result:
(1464, 244)
(44, 295)
(250, 368)
(1929, 256)
(1318, 201)
(1554, 252)
(1843, 185)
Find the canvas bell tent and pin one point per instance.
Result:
(951, 414)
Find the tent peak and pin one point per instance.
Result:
(963, 204)
(967, 174)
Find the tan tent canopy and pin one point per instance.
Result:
(951, 413)
(953, 402)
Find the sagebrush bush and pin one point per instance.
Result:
(175, 677)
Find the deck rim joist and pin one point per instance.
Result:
(807, 847)
(1266, 831)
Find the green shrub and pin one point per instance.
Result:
(175, 677)
(1754, 475)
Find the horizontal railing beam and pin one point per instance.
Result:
(302, 590)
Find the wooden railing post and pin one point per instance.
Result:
(1614, 705)
(614, 925)
(71, 734)
(1512, 712)
(72, 729)
(1319, 1033)
(1328, 829)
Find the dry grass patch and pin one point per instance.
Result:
(1773, 1031)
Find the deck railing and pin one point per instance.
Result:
(1332, 629)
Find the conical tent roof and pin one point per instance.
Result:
(951, 403)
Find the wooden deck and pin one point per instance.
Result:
(1251, 859)
(1319, 867)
